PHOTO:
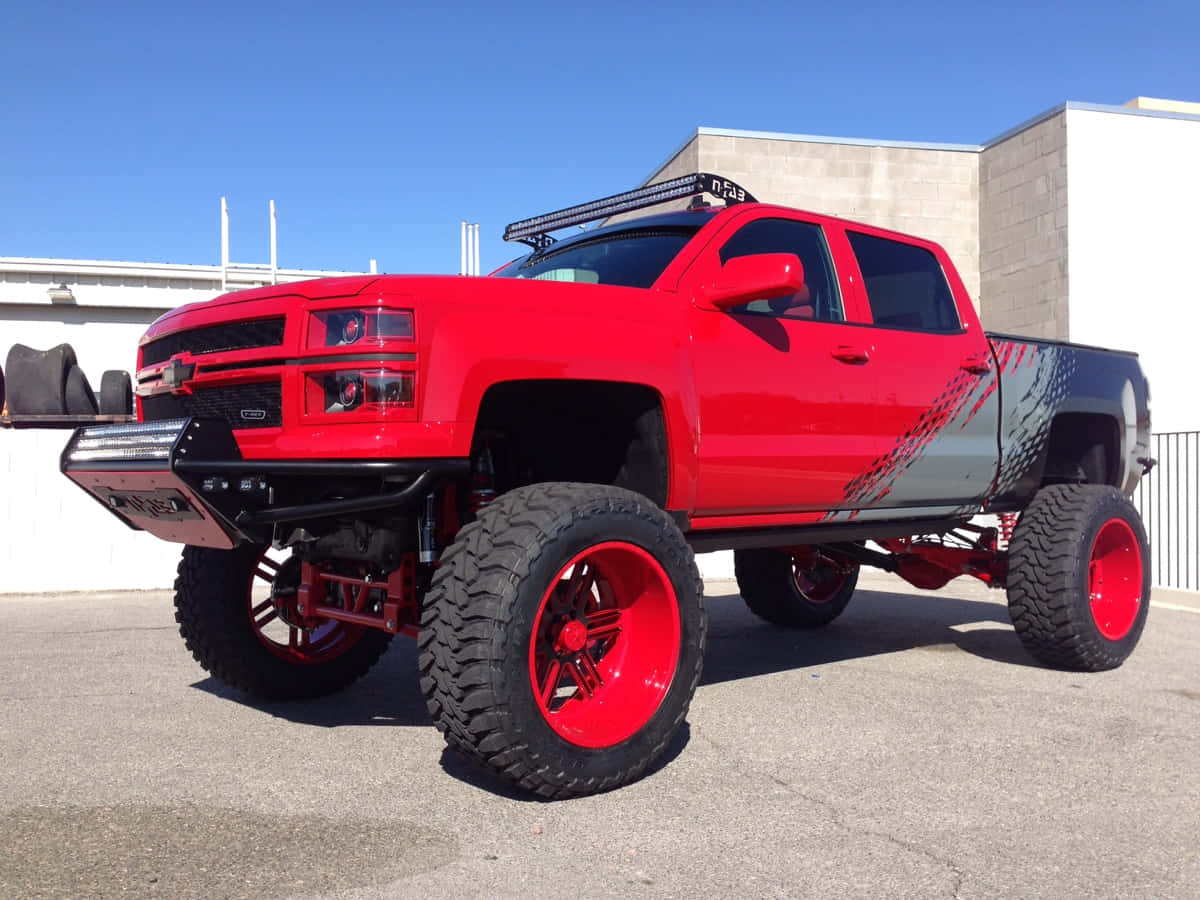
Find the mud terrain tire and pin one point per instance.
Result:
(212, 608)
(513, 666)
(1079, 577)
(770, 585)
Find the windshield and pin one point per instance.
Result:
(630, 258)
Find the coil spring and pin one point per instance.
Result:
(1008, 524)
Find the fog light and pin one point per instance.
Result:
(364, 391)
(350, 393)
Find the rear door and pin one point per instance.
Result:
(786, 390)
(938, 407)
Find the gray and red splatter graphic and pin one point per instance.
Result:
(1033, 380)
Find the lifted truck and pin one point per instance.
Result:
(517, 469)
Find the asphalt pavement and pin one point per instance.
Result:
(911, 749)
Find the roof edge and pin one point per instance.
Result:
(54, 265)
(828, 139)
(666, 162)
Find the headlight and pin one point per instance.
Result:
(342, 327)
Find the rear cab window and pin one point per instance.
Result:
(905, 285)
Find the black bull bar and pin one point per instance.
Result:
(184, 480)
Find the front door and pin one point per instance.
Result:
(786, 387)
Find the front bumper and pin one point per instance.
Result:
(185, 481)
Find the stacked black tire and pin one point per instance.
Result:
(51, 383)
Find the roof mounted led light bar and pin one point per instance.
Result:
(534, 232)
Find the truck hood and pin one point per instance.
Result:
(434, 290)
(316, 289)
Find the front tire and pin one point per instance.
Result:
(791, 591)
(561, 640)
(247, 643)
(1078, 577)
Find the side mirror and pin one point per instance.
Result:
(760, 276)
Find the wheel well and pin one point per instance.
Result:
(1083, 448)
(590, 431)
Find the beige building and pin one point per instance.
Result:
(1007, 211)
(1079, 224)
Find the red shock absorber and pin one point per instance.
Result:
(1008, 523)
(483, 478)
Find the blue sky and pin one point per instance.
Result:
(376, 128)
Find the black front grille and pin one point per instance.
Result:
(257, 405)
(215, 338)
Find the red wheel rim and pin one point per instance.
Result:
(818, 582)
(1115, 579)
(280, 628)
(605, 645)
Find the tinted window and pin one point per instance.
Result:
(632, 258)
(905, 285)
(820, 299)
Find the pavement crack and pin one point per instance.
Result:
(835, 815)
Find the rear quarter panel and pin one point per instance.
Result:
(1040, 380)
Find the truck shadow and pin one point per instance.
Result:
(739, 646)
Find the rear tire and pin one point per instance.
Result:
(227, 633)
(1078, 578)
(781, 590)
(561, 640)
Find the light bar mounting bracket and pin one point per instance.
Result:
(536, 231)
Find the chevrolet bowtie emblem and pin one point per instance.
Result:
(176, 373)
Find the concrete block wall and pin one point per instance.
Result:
(927, 191)
(1023, 232)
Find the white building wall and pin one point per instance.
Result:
(1134, 187)
(53, 536)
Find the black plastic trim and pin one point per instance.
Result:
(408, 495)
(749, 538)
(381, 468)
(309, 360)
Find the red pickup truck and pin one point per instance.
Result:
(517, 469)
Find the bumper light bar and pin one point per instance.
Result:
(110, 443)
(534, 231)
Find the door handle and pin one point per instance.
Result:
(853, 355)
(977, 365)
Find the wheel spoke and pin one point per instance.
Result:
(603, 624)
(257, 611)
(572, 669)
(293, 634)
(269, 563)
(270, 616)
(550, 681)
(575, 584)
(265, 576)
(584, 671)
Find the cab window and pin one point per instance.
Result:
(820, 299)
(905, 285)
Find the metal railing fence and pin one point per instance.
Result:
(1169, 502)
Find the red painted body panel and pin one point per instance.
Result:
(768, 420)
